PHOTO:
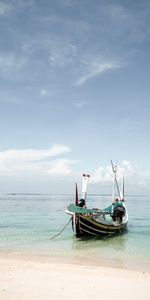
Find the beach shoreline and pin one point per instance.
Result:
(25, 277)
(61, 257)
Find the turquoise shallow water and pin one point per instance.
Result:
(27, 222)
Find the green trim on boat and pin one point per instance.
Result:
(82, 210)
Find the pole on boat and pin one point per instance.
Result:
(76, 195)
(123, 189)
(76, 201)
(122, 192)
(113, 191)
(85, 180)
(114, 168)
(113, 196)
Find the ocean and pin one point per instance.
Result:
(28, 222)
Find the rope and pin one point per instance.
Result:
(61, 230)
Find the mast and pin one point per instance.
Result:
(76, 194)
(123, 189)
(114, 168)
(113, 191)
(122, 192)
(85, 180)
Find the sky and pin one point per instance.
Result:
(74, 94)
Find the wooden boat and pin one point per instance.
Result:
(99, 222)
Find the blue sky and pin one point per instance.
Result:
(74, 94)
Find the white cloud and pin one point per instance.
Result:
(8, 7)
(16, 161)
(62, 53)
(4, 9)
(44, 92)
(117, 12)
(11, 63)
(102, 175)
(97, 68)
(105, 174)
(136, 179)
(80, 104)
(133, 24)
(60, 167)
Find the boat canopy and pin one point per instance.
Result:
(112, 206)
(82, 210)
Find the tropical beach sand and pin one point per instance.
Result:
(41, 279)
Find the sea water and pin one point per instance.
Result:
(28, 222)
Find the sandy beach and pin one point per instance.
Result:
(24, 278)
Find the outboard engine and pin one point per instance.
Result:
(81, 203)
(118, 213)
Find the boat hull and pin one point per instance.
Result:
(87, 226)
